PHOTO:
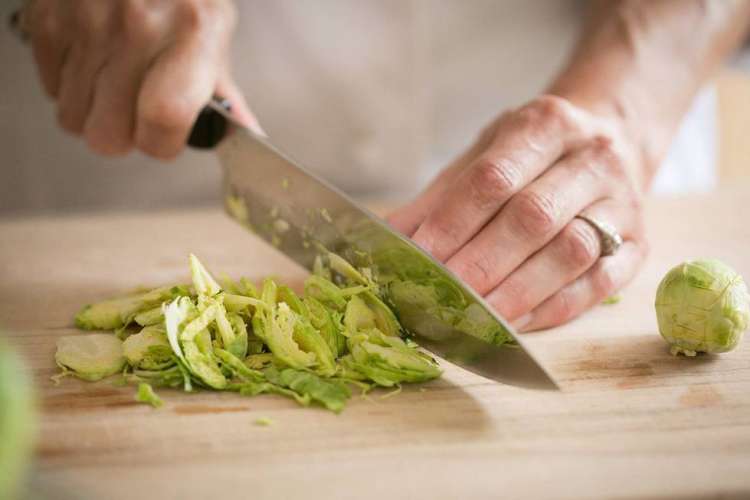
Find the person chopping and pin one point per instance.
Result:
(541, 214)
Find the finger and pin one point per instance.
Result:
(530, 220)
(571, 253)
(527, 142)
(110, 126)
(227, 88)
(606, 277)
(85, 59)
(48, 45)
(142, 36)
(76, 89)
(174, 90)
(407, 219)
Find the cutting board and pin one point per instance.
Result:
(630, 421)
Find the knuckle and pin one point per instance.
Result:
(137, 22)
(493, 180)
(535, 214)
(581, 244)
(168, 116)
(443, 235)
(478, 272)
(603, 147)
(549, 108)
(69, 121)
(516, 297)
(107, 144)
(45, 24)
(550, 105)
(197, 15)
(564, 307)
(605, 153)
(91, 20)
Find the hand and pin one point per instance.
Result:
(502, 216)
(134, 73)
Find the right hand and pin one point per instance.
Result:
(134, 73)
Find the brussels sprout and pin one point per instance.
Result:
(91, 357)
(238, 368)
(232, 331)
(17, 422)
(324, 320)
(238, 339)
(325, 291)
(388, 361)
(196, 346)
(331, 393)
(276, 328)
(358, 316)
(263, 421)
(203, 282)
(147, 395)
(117, 313)
(138, 351)
(385, 320)
(702, 306)
(150, 317)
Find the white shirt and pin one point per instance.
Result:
(376, 96)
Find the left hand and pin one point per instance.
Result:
(502, 216)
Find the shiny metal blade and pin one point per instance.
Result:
(300, 214)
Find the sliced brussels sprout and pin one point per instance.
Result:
(90, 357)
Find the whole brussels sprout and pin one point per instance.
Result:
(17, 422)
(702, 306)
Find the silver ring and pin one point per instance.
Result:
(610, 239)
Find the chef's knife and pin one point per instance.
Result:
(302, 215)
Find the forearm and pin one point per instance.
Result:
(643, 61)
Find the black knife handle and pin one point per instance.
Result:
(210, 126)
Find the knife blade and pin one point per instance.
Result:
(302, 215)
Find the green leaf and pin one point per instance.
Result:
(90, 357)
(139, 349)
(203, 282)
(326, 292)
(147, 395)
(328, 324)
(118, 313)
(276, 328)
(389, 361)
(331, 393)
(238, 368)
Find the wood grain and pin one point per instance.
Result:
(631, 421)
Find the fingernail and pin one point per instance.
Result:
(520, 322)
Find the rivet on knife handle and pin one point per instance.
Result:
(210, 126)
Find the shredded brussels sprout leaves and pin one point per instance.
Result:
(235, 337)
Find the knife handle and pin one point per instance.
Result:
(211, 125)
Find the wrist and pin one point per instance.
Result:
(623, 116)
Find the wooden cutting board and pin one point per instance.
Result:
(631, 421)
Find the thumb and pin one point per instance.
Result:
(227, 88)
